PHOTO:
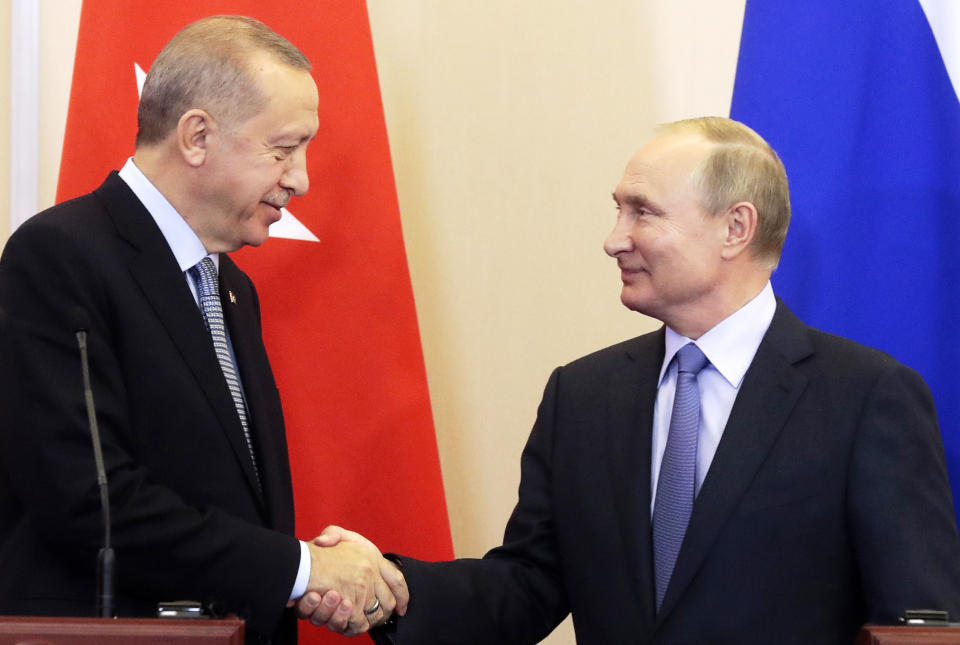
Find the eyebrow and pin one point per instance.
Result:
(292, 139)
(637, 201)
(291, 142)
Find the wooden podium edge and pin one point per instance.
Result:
(909, 635)
(140, 631)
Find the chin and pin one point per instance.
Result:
(630, 298)
(635, 302)
(257, 236)
(257, 241)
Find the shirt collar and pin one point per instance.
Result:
(186, 246)
(731, 344)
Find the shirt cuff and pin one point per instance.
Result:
(303, 573)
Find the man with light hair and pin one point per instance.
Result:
(189, 414)
(741, 167)
(735, 477)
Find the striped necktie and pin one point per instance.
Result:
(204, 275)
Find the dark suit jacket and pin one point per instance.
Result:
(827, 505)
(188, 522)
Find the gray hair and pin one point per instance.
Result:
(206, 65)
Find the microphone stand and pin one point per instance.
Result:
(105, 557)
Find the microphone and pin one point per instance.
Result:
(105, 557)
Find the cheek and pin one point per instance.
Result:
(658, 250)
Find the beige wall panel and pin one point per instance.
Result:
(58, 43)
(58, 40)
(510, 123)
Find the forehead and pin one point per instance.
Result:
(291, 93)
(666, 162)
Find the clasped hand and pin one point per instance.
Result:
(352, 587)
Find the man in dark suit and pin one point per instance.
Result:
(189, 414)
(798, 492)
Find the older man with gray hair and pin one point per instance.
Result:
(189, 414)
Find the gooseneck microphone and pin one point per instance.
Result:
(105, 558)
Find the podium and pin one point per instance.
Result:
(908, 635)
(119, 631)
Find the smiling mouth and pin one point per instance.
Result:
(276, 209)
(627, 275)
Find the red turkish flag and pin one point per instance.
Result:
(338, 315)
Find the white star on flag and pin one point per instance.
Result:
(288, 227)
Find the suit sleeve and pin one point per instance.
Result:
(168, 547)
(899, 504)
(515, 593)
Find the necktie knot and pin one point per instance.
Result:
(205, 275)
(691, 360)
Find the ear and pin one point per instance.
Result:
(741, 227)
(193, 133)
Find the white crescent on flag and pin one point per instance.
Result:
(288, 227)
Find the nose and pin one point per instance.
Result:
(295, 178)
(619, 240)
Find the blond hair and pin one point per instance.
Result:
(741, 167)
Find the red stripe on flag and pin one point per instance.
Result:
(339, 317)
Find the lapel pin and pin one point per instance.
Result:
(233, 298)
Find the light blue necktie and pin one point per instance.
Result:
(205, 277)
(676, 485)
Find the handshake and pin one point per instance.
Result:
(352, 587)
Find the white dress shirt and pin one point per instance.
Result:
(188, 251)
(730, 347)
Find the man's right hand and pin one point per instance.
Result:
(352, 587)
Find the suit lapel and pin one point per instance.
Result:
(766, 399)
(156, 271)
(633, 390)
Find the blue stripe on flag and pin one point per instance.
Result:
(856, 99)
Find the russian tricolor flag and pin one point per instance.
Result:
(857, 99)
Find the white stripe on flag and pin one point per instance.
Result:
(944, 19)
